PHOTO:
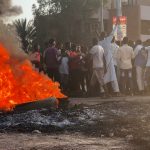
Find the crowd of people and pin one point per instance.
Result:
(64, 63)
(107, 68)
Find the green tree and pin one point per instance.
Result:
(69, 15)
(26, 31)
(49, 7)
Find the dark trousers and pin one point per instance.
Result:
(126, 81)
(84, 80)
(64, 81)
(53, 73)
(74, 81)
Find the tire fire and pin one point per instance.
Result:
(20, 83)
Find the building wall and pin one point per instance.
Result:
(143, 2)
(145, 22)
(145, 12)
(138, 18)
(133, 22)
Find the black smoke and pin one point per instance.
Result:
(6, 8)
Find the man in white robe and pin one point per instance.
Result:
(110, 75)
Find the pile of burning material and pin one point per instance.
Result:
(19, 82)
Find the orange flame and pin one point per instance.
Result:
(20, 84)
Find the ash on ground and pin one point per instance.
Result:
(128, 120)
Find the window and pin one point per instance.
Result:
(145, 27)
(132, 2)
(129, 2)
(124, 2)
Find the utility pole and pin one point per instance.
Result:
(102, 15)
(118, 8)
(118, 15)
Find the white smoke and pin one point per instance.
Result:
(11, 41)
(8, 35)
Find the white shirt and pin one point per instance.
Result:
(125, 55)
(97, 52)
(111, 73)
(64, 67)
(114, 50)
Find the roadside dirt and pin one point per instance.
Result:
(76, 141)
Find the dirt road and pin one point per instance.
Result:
(76, 141)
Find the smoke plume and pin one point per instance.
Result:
(11, 41)
(8, 35)
(6, 8)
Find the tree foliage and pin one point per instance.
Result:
(65, 14)
(49, 7)
(26, 32)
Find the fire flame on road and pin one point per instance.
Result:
(20, 83)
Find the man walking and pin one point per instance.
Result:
(140, 55)
(125, 55)
(97, 53)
